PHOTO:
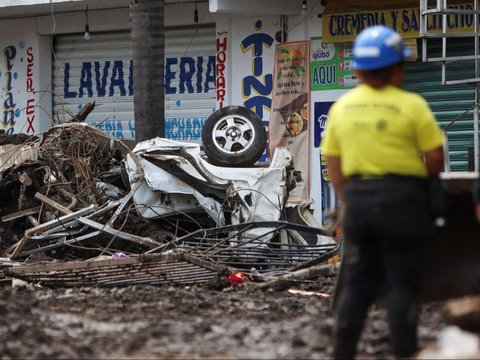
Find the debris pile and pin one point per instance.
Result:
(66, 182)
(75, 198)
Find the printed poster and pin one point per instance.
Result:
(289, 119)
(320, 113)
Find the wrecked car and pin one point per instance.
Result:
(176, 178)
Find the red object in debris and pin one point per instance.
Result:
(239, 278)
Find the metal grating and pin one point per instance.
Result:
(151, 270)
(196, 258)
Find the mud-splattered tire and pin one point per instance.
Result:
(234, 136)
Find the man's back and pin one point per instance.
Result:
(381, 131)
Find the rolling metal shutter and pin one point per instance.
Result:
(447, 101)
(100, 70)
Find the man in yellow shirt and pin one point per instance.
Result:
(381, 145)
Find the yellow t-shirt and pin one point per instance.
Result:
(381, 131)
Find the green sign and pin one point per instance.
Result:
(331, 66)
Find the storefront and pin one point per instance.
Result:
(449, 103)
(101, 70)
(51, 71)
(331, 74)
(342, 22)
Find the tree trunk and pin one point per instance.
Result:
(148, 49)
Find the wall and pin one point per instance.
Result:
(118, 19)
(318, 189)
(248, 73)
(30, 46)
(26, 58)
(253, 51)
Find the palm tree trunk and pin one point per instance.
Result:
(148, 50)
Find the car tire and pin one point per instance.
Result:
(234, 137)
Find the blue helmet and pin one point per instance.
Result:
(377, 47)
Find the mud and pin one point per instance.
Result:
(142, 322)
(190, 322)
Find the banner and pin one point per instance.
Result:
(331, 66)
(289, 119)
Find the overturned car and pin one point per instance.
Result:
(175, 178)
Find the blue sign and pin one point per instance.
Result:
(320, 120)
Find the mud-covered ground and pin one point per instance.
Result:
(142, 322)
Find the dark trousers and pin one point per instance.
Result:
(385, 228)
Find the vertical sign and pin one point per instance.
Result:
(289, 125)
(220, 68)
(19, 80)
(252, 61)
(30, 89)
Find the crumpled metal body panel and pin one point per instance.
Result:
(251, 194)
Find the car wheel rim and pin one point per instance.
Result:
(233, 134)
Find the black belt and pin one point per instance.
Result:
(364, 177)
(367, 177)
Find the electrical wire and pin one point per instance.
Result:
(51, 36)
(303, 17)
(197, 28)
(258, 192)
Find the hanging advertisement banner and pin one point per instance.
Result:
(289, 119)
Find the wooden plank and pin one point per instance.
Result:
(19, 214)
(146, 241)
(52, 203)
(283, 282)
